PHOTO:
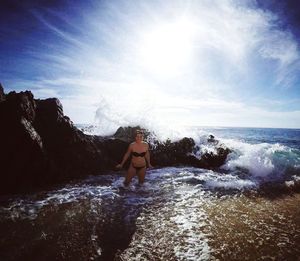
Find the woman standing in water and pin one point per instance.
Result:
(140, 154)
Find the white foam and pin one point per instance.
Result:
(259, 159)
(174, 229)
(196, 244)
(296, 178)
(231, 184)
(214, 180)
(294, 182)
(30, 207)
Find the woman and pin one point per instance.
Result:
(140, 153)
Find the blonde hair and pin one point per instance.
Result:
(139, 132)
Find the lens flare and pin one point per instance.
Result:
(167, 48)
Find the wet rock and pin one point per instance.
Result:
(127, 134)
(2, 94)
(212, 160)
(172, 153)
(71, 152)
(114, 151)
(40, 145)
(211, 139)
(17, 105)
(22, 154)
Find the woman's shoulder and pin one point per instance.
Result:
(145, 144)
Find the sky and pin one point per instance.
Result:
(157, 63)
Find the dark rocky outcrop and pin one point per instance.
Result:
(2, 95)
(173, 153)
(212, 160)
(22, 152)
(127, 134)
(185, 152)
(40, 146)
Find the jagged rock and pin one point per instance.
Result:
(72, 153)
(2, 94)
(115, 150)
(210, 160)
(39, 145)
(127, 134)
(22, 153)
(17, 105)
(211, 139)
(172, 153)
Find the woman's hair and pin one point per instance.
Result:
(139, 132)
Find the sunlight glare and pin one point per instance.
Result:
(167, 48)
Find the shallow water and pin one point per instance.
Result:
(178, 214)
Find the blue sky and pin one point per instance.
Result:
(112, 63)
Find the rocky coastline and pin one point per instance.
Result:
(40, 146)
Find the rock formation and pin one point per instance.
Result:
(41, 146)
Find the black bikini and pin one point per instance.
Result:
(136, 154)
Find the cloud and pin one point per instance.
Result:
(64, 35)
(100, 75)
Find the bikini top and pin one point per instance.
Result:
(134, 153)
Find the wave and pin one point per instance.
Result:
(263, 160)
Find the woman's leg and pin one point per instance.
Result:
(130, 174)
(141, 175)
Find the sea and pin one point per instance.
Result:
(248, 209)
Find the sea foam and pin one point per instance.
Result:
(263, 160)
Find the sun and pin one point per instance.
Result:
(167, 48)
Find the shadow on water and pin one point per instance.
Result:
(73, 241)
(69, 224)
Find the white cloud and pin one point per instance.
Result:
(103, 66)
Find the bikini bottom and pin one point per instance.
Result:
(138, 168)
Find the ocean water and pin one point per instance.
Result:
(249, 209)
(264, 153)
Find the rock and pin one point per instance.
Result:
(17, 105)
(115, 150)
(210, 160)
(40, 145)
(72, 153)
(211, 139)
(50, 110)
(2, 94)
(127, 134)
(22, 154)
(172, 153)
